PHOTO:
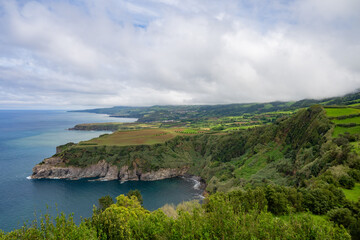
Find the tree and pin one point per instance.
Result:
(137, 194)
(105, 202)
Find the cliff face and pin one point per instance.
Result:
(53, 168)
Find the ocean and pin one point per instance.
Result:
(28, 136)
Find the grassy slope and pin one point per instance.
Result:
(344, 112)
(337, 112)
(353, 194)
(347, 120)
(340, 130)
(138, 137)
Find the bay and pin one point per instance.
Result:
(27, 137)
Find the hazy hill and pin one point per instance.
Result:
(185, 112)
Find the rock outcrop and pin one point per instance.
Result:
(54, 168)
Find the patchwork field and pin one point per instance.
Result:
(342, 130)
(355, 105)
(139, 137)
(347, 120)
(337, 112)
(341, 127)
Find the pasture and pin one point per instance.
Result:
(347, 120)
(138, 137)
(344, 111)
(342, 130)
(337, 112)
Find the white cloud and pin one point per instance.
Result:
(190, 52)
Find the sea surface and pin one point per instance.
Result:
(27, 137)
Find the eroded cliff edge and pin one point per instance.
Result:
(55, 168)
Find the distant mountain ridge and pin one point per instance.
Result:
(186, 112)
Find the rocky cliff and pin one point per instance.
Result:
(54, 168)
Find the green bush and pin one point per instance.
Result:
(341, 216)
(347, 182)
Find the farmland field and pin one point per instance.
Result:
(341, 130)
(138, 137)
(347, 120)
(337, 112)
(355, 105)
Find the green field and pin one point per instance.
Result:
(342, 130)
(355, 105)
(353, 194)
(337, 112)
(347, 120)
(138, 137)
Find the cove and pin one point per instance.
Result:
(27, 137)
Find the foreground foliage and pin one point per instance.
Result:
(220, 217)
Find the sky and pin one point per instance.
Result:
(75, 54)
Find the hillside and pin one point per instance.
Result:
(282, 163)
(277, 152)
(301, 163)
(196, 112)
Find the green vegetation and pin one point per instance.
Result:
(336, 112)
(186, 113)
(297, 151)
(222, 216)
(353, 194)
(105, 202)
(114, 126)
(355, 120)
(273, 171)
(275, 152)
(137, 194)
(343, 130)
(139, 137)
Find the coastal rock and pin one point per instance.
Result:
(163, 174)
(125, 174)
(55, 168)
(112, 173)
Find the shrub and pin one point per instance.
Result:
(137, 194)
(341, 216)
(347, 182)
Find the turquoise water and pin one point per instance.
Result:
(27, 137)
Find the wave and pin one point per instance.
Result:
(199, 196)
(29, 177)
(197, 183)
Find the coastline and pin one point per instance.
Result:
(51, 168)
(55, 168)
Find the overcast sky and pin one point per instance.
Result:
(62, 54)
